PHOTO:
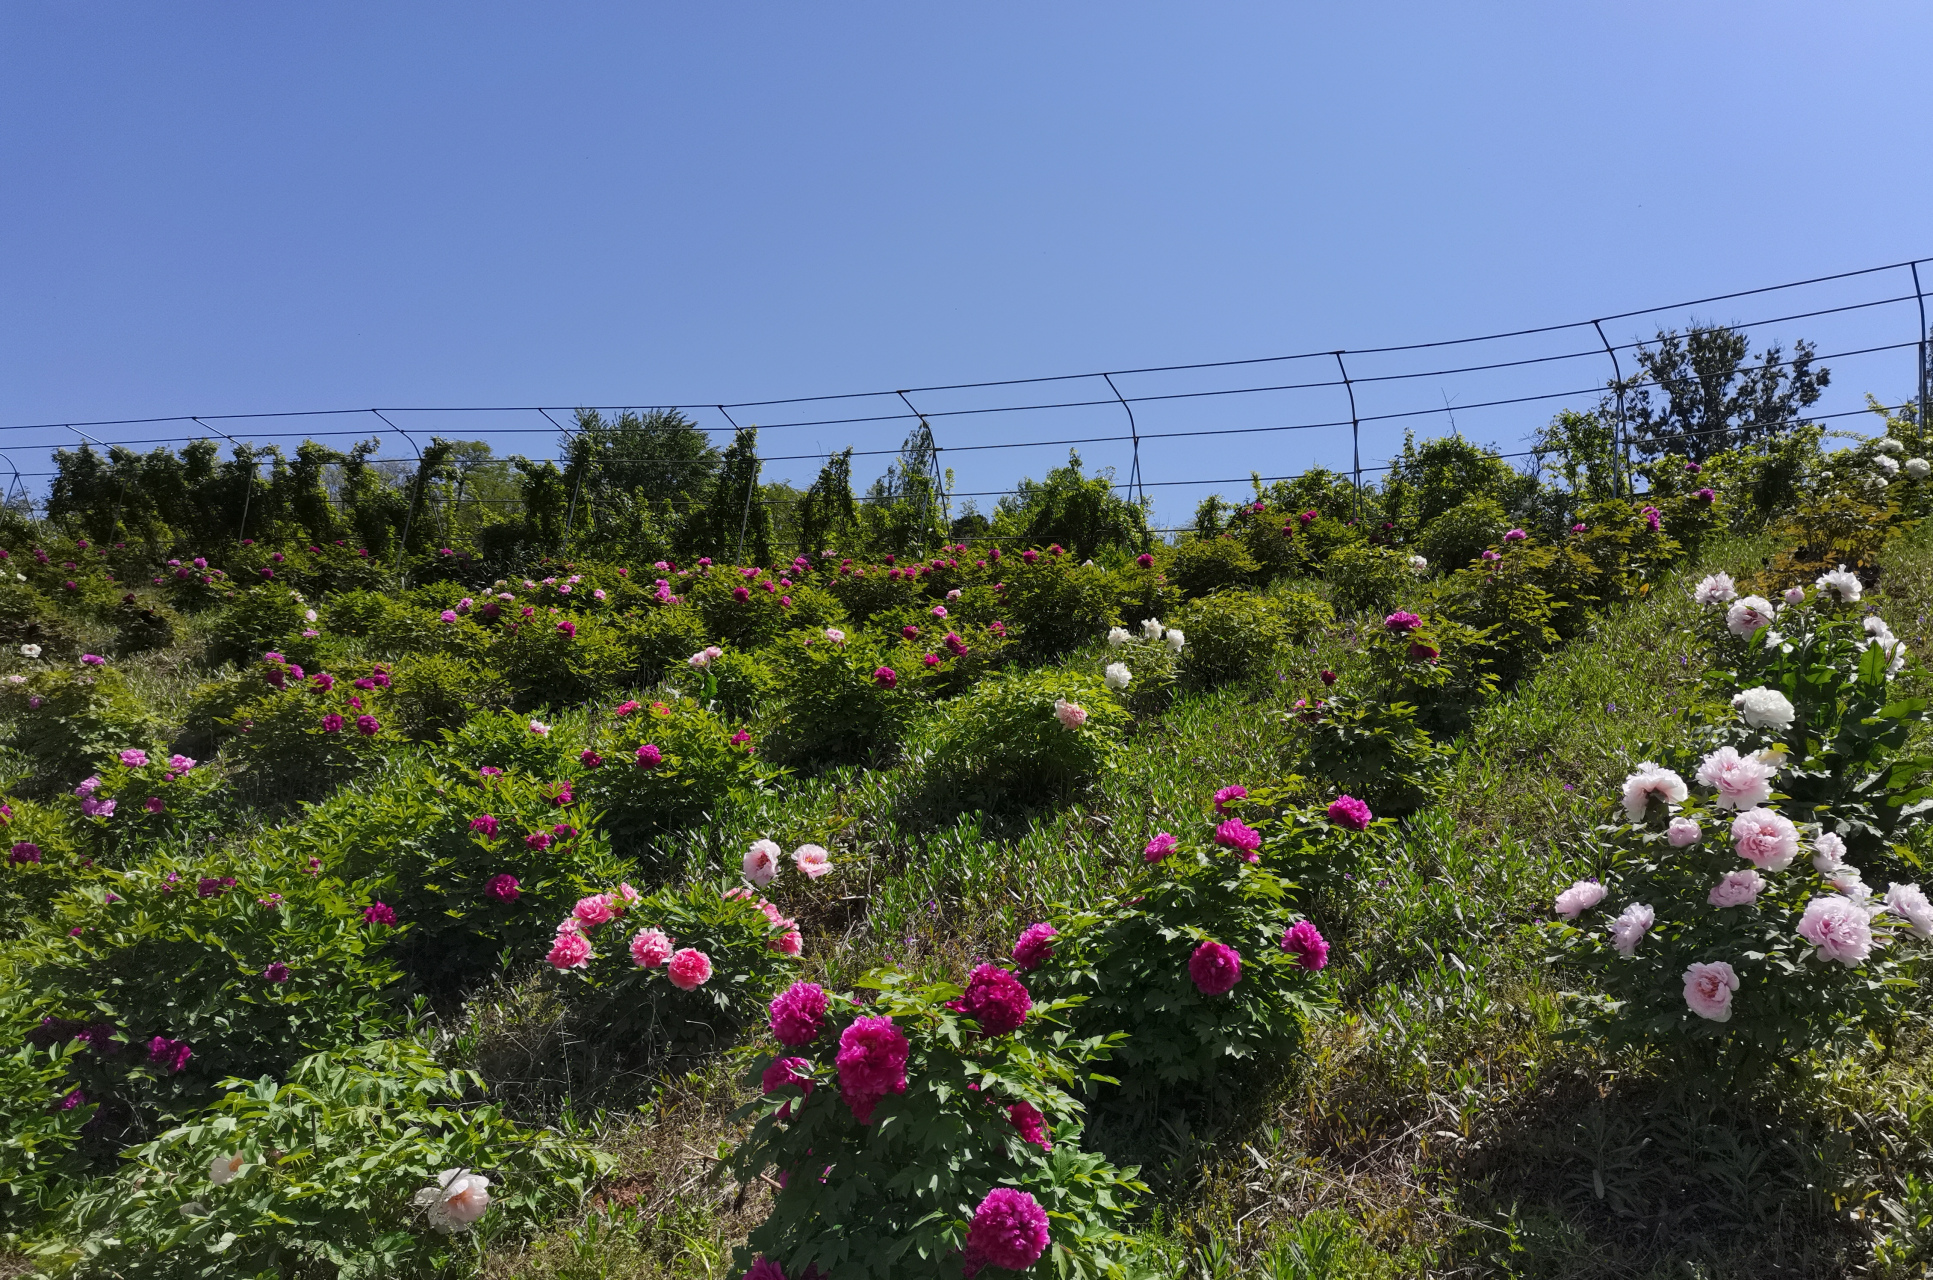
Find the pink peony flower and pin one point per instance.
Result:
(762, 862)
(1009, 1230)
(1628, 930)
(1034, 946)
(1683, 831)
(1651, 782)
(1215, 967)
(593, 910)
(1748, 615)
(885, 677)
(1765, 839)
(1908, 903)
(625, 708)
(1709, 988)
(134, 758)
(789, 943)
(649, 756)
(1839, 928)
(812, 860)
(1161, 846)
(1307, 945)
(1737, 889)
(688, 969)
(872, 1064)
(502, 887)
(1347, 811)
(1515, 535)
(569, 950)
(486, 826)
(798, 1014)
(994, 999)
(181, 764)
(1026, 1118)
(1579, 898)
(651, 948)
(377, 913)
(1239, 836)
(1226, 794)
(1402, 623)
(1742, 782)
(1070, 714)
(795, 1072)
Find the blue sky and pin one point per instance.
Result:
(226, 208)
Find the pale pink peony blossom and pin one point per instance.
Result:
(1839, 928)
(456, 1202)
(1742, 782)
(651, 948)
(835, 635)
(1908, 903)
(1737, 889)
(1709, 988)
(1847, 880)
(1649, 782)
(1628, 930)
(1716, 589)
(1683, 831)
(1072, 715)
(762, 862)
(1579, 898)
(1766, 839)
(1829, 852)
(222, 1169)
(812, 860)
(1748, 615)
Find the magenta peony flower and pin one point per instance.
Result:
(1226, 794)
(537, 840)
(995, 999)
(25, 852)
(1032, 1125)
(1402, 623)
(688, 969)
(1160, 847)
(134, 758)
(379, 913)
(1239, 836)
(1708, 990)
(872, 1064)
(1307, 945)
(502, 887)
(368, 726)
(885, 677)
(486, 825)
(1515, 535)
(277, 972)
(798, 1014)
(1009, 1230)
(1216, 968)
(1033, 948)
(786, 1071)
(569, 950)
(169, 1055)
(1347, 811)
(154, 804)
(1144, 560)
(649, 756)
(590, 759)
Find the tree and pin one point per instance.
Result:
(902, 513)
(732, 522)
(828, 516)
(1712, 398)
(1080, 512)
(651, 457)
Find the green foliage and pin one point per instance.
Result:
(331, 1164)
(1502, 600)
(664, 636)
(1231, 635)
(761, 615)
(1459, 535)
(433, 692)
(1375, 751)
(552, 657)
(39, 1138)
(699, 766)
(69, 722)
(836, 708)
(1200, 566)
(1366, 579)
(255, 622)
(1057, 604)
(897, 1194)
(1005, 742)
(28, 617)
(1083, 514)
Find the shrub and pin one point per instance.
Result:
(698, 763)
(626, 997)
(42, 871)
(1455, 538)
(1006, 739)
(762, 616)
(28, 617)
(255, 621)
(1057, 605)
(506, 741)
(1306, 616)
(327, 1176)
(895, 1194)
(1628, 550)
(1374, 750)
(1203, 565)
(1500, 599)
(663, 637)
(836, 705)
(548, 665)
(1231, 635)
(139, 628)
(433, 692)
(304, 738)
(142, 798)
(69, 722)
(736, 683)
(39, 1137)
(1366, 579)
(1436, 664)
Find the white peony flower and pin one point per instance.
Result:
(1876, 626)
(1175, 640)
(1118, 636)
(1828, 852)
(1890, 466)
(1651, 780)
(30, 651)
(1917, 468)
(1716, 589)
(1118, 675)
(1795, 595)
(1418, 564)
(1887, 444)
(1848, 881)
(222, 1169)
(1764, 708)
(1842, 585)
(456, 1202)
(1151, 629)
(1748, 615)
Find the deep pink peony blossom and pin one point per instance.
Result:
(502, 887)
(569, 950)
(379, 913)
(1026, 1117)
(169, 1055)
(594, 910)
(1215, 967)
(688, 969)
(1145, 560)
(486, 826)
(649, 756)
(995, 999)
(1034, 946)
(368, 726)
(277, 972)
(1226, 794)
(1402, 623)
(786, 1071)
(537, 840)
(1009, 1230)
(332, 723)
(1160, 847)
(885, 677)
(651, 948)
(798, 1014)
(872, 1064)
(1307, 945)
(1347, 811)
(154, 804)
(1239, 836)
(25, 852)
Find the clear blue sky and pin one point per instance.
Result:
(229, 208)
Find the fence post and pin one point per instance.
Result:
(1621, 469)
(416, 494)
(1355, 431)
(1134, 470)
(1925, 349)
